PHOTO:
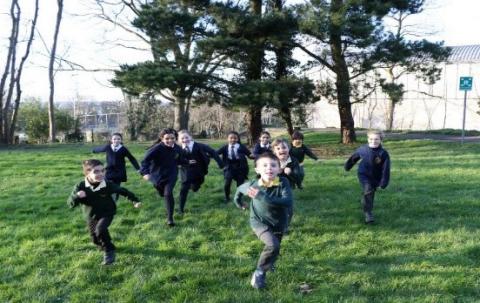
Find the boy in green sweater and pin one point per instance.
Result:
(271, 198)
(99, 207)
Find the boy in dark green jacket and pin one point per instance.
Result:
(271, 199)
(99, 207)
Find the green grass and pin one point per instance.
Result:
(424, 247)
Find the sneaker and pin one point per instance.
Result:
(369, 217)
(258, 279)
(109, 257)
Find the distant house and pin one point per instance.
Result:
(424, 106)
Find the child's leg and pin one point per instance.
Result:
(301, 176)
(367, 197)
(184, 188)
(271, 250)
(92, 224)
(101, 231)
(227, 185)
(169, 202)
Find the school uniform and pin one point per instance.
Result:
(259, 149)
(235, 165)
(115, 167)
(161, 163)
(299, 154)
(192, 173)
(99, 208)
(373, 171)
(293, 178)
(268, 216)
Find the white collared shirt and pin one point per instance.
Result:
(265, 146)
(116, 148)
(283, 164)
(99, 187)
(235, 148)
(190, 146)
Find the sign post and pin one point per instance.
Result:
(465, 85)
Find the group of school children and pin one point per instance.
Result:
(279, 169)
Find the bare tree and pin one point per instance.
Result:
(51, 77)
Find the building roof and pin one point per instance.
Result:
(465, 53)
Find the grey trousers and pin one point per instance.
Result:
(270, 252)
(368, 196)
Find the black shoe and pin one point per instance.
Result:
(109, 257)
(369, 217)
(258, 279)
(170, 223)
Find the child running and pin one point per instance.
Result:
(299, 150)
(95, 195)
(235, 166)
(160, 166)
(271, 198)
(193, 172)
(263, 144)
(373, 170)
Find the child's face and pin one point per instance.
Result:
(267, 168)
(116, 140)
(264, 139)
(168, 139)
(184, 138)
(297, 142)
(232, 139)
(374, 141)
(96, 174)
(281, 151)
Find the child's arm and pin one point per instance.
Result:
(309, 153)
(256, 150)
(100, 149)
(76, 196)
(147, 160)
(247, 152)
(352, 160)
(241, 191)
(126, 193)
(385, 172)
(285, 199)
(132, 159)
(213, 154)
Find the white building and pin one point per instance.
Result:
(424, 107)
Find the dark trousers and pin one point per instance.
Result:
(367, 196)
(229, 177)
(99, 232)
(301, 176)
(194, 185)
(115, 196)
(271, 250)
(165, 190)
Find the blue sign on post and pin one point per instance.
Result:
(466, 83)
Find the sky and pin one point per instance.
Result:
(94, 44)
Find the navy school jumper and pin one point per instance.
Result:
(258, 149)
(374, 169)
(234, 169)
(115, 168)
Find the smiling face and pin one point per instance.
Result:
(374, 140)
(232, 139)
(281, 151)
(267, 168)
(168, 140)
(96, 174)
(184, 138)
(264, 139)
(116, 140)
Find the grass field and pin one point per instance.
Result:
(424, 247)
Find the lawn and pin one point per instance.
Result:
(424, 246)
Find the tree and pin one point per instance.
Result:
(51, 77)
(181, 66)
(352, 40)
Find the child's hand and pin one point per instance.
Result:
(287, 170)
(192, 161)
(137, 204)
(146, 177)
(252, 192)
(81, 194)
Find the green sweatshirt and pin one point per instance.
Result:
(269, 209)
(99, 201)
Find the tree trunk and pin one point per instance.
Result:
(19, 76)
(51, 76)
(287, 117)
(254, 120)
(342, 83)
(390, 113)
(181, 111)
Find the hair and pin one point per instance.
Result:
(184, 131)
(265, 133)
(232, 132)
(375, 132)
(268, 155)
(163, 132)
(89, 164)
(297, 135)
(277, 142)
(117, 134)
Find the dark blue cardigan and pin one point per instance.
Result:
(116, 170)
